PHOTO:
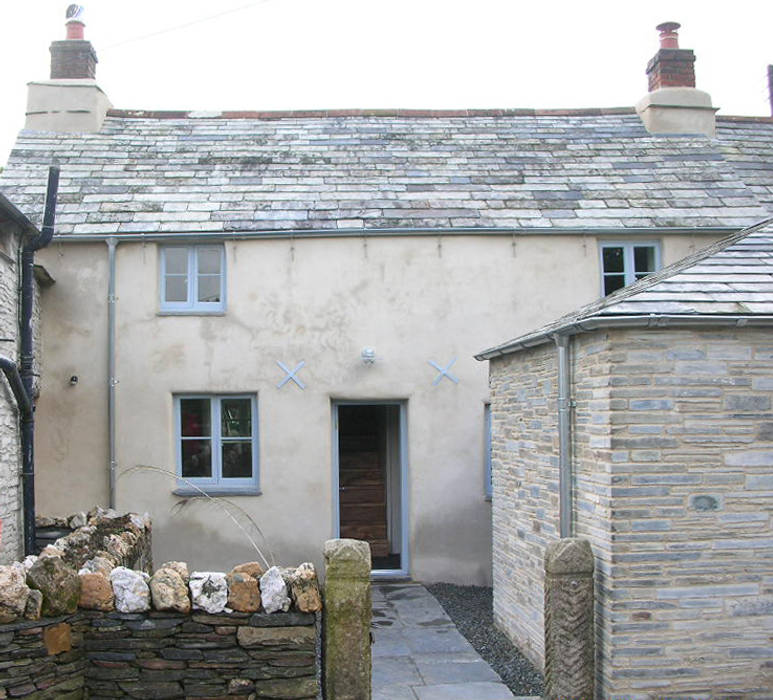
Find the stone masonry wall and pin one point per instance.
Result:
(79, 622)
(42, 659)
(10, 455)
(161, 655)
(591, 356)
(524, 460)
(691, 458)
(524, 399)
(673, 460)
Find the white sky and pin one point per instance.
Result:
(297, 54)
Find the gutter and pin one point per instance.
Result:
(281, 234)
(639, 321)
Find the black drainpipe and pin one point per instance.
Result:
(27, 356)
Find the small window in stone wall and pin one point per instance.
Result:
(217, 441)
(622, 263)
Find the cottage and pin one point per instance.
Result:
(664, 463)
(282, 308)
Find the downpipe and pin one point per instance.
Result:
(111, 378)
(566, 525)
(28, 355)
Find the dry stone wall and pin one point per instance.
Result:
(107, 630)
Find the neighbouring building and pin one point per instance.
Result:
(669, 474)
(15, 230)
(282, 308)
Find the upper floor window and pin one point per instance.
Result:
(217, 441)
(624, 263)
(193, 278)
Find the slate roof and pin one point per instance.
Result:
(732, 277)
(520, 170)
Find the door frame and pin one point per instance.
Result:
(403, 571)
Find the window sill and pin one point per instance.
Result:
(192, 312)
(216, 491)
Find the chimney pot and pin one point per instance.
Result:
(671, 66)
(75, 30)
(669, 38)
(74, 57)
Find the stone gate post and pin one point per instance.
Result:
(346, 620)
(569, 634)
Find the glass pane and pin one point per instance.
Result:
(196, 458)
(237, 417)
(176, 288)
(209, 287)
(209, 261)
(195, 418)
(643, 260)
(176, 261)
(237, 460)
(613, 259)
(613, 282)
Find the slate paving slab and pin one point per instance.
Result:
(418, 654)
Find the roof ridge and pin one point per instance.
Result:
(742, 118)
(342, 113)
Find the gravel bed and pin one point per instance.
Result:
(470, 609)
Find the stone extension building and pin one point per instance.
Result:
(670, 453)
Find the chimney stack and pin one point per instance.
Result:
(671, 66)
(74, 57)
(673, 104)
(71, 101)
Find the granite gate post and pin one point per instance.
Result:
(346, 620)
(569, 635)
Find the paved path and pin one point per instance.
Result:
(419, 654)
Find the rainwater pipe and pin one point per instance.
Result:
(111, 378)
(564, 438)
(28, 356)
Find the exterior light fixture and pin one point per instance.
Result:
(368, 356)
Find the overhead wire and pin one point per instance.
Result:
(192, 23)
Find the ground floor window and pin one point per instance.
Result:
(216, 440)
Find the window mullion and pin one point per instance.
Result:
(193, 277)
(217, 448)
(628, 264)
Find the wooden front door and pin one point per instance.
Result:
(362, 487)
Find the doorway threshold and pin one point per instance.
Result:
(385, 575)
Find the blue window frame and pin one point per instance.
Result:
(193, 279)
(217, 441)
(622, 263)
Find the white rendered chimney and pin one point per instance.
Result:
(673, 104)
(70, 101)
